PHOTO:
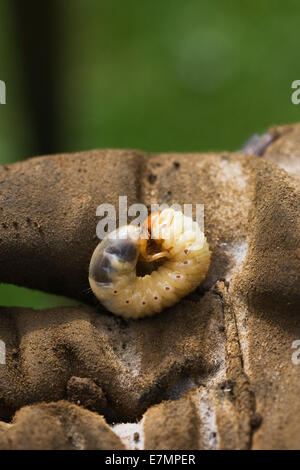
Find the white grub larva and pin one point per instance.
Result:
(167, 235)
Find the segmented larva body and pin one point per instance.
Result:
(167, 234)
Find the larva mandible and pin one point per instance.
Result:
(168, 234)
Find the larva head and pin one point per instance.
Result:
(115, 256)
(150, 246)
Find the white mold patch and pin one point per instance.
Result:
(131, 434)
(236, 253)
(231, 172)
(206, 411)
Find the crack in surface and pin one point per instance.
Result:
(244, 397)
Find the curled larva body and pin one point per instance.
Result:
(167, 234)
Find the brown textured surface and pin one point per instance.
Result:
(172, 425)
(224, 352)
(87, 393)
(133, 362)
(285, 150)
(48, 215)
(57, 426)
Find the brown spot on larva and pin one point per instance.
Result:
(178, 276)
(167, 288)
(185, 262)
(186, 251)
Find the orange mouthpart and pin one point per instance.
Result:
(150, 248)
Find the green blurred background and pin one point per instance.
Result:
(156, 75)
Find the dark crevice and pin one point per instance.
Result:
(152, 178)
(6, 413)
(242, 393)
